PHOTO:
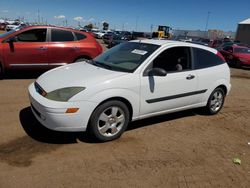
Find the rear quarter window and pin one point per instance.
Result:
(205, 59)
(58, 35)
(79, 36)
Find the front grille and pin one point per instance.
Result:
(39, 89)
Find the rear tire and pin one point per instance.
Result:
(109, 121)
(215, 101)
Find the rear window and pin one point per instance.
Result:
(79, 36)
(61, 35)
(205, 59)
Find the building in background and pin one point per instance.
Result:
(243, 32)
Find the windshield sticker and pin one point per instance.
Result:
(140, 52)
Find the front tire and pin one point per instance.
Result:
(1, 72)
(109, 121)
(215, 101)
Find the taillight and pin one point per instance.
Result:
(221, 56)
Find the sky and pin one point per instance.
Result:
(136, 15)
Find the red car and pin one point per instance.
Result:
(45, 47)
(236, 55)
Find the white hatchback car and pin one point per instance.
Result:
(131, 81)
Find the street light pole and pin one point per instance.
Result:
(208, 14)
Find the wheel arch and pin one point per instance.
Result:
(82, 56)
(224, 88)
(122, 99)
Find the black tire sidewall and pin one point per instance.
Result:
(92, 127)
(211, 112)
(1, 71)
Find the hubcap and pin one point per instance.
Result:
(111, 121)
(216, 101)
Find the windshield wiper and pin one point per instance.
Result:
(103, 65)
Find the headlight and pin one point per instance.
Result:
(243, 60)
(63, 94)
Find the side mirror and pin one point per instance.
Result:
(156, 72)
(12, 39)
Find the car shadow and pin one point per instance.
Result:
(162, 118)
(38, 132)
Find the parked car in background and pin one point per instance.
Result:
(15, 26)
(231, 44)
(108, 37)
(2, 26)
(45, 47)
(116, 39)
(138, 35)
(215, 43)
(237, 56)
(124, 36)
(131, 81)
(100, 34)
(201, 41)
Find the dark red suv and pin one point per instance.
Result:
(45, 47)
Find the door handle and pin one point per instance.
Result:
(42, 48)
(190, 77)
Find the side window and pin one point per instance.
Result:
(174, 59)
(228, 48)
(58, 35)
(34, 35)
(204, 59)
(80, 36)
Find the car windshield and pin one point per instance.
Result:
(6, 34)
(242, 50)
(125, 57)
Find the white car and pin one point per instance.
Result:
(131, 81)
(100, 34)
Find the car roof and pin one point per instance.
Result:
(175, 43)
(49, 26)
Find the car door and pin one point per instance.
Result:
(62, 48)
(27, 49)
(175, 90)
(209, 68)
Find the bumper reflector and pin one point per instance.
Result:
(72, 110)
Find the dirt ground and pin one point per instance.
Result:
(185, 149)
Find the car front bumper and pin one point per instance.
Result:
(52, 114)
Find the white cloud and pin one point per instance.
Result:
(59, 17)
(91, 20)
(5, 11)
(79, 18)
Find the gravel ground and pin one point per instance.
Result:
(186, 149)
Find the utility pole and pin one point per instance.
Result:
(151, 28)
(38, 16)
(136, 22)
(208, 14)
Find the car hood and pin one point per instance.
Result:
(74, 75)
